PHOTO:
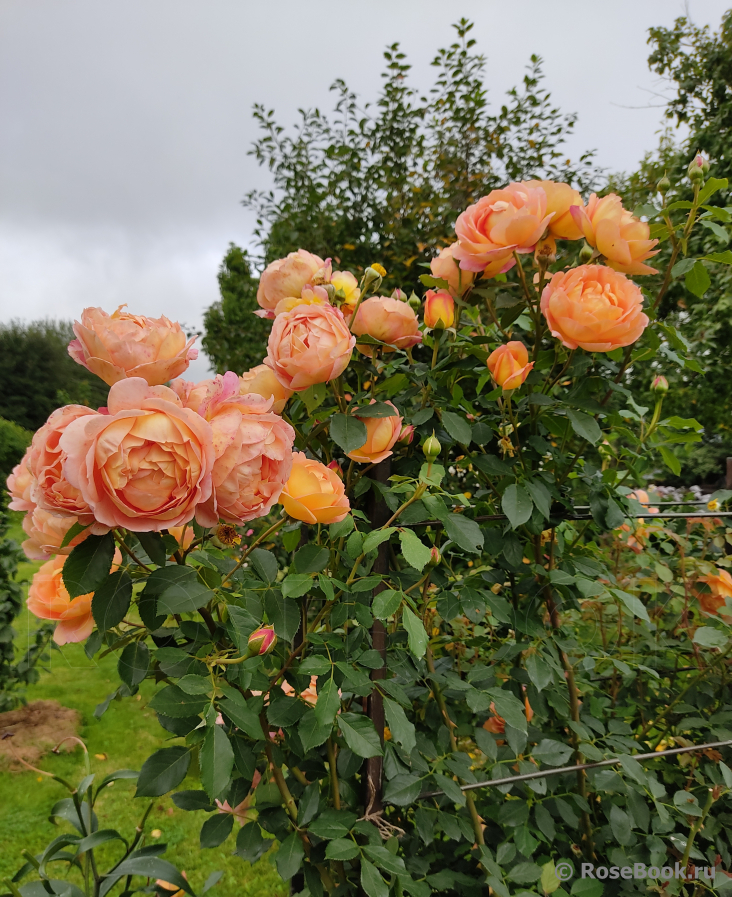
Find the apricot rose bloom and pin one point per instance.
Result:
(616, 233)
(49, 600)
(389, 320)
(308, 345)
(46, 532)
(446, 267)
(145, 465)
(593, 307)
(439, 309)
(122, 345)
(509, 364)
(381, 434)
(314, 493)
(252, 445)
(720, 585)
(286, 277)
(347, 283)
(261, 381)
(20, 484)
(506, 221)
(560, 198)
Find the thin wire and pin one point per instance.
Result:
(577, 767)
(485, 517)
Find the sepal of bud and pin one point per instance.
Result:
(371, 279)
(262, 641)
(331, 291)
(698, 168)
(399, 294)
(664, 185)
(431, 447)
(435, 557)
(660, 385)
(586, 253)
(415, 302)
(406, 435)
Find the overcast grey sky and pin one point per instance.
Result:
(126, 123)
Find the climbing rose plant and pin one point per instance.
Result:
(403, 556)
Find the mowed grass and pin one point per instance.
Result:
(127, 733)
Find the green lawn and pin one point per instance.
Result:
(127, 733)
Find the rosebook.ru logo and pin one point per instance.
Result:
(640, 870)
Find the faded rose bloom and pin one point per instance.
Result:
(20, 486)
(720, 585)
(46, 532)
(381, 434)
(147, 464)
(261, 381)
(509, 364)
(559, 200)
(617, 234)
(122, 345)
(439, 309)
(386, 319)
(497, 724)
(506, 221)
(287, 277)
(314, 494)
(593, 307)
(446, 267)
(253, 449)
(308, 345)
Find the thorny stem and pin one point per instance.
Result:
(127, 550)
(273, 529)
(677, 244)
(696, 828)
(333, 774)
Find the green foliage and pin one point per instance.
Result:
(14, 440)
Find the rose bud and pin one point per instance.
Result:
(509, 364)
(439, 309)
(399, 294)
(664, 185)
(431, 447)
(334, 465)
(407, 435)
(261, 641)
(660, 384)
(435, 557)
(698, 168)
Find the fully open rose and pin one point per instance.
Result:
(389, 320)
(261, 381)
(621, 237)
(286, 277)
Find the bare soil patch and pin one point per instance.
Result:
(35, 729)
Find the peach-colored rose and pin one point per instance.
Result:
(122, 345)
(720, 585)
(509, 364)
(147, 464)
(261, 381)
(616, 233)
(559, 200)
(314, 493)
(506, 221)
(593, 307)
(309, 695)
(46, 461)
(497, 724)
(49, 600)
(641, 496)
(439, 309)
(348, 285)
(286, 277)
(253, 447)
(308, 345)
(310, 296)
(446, 267)
(183, 535)
(389, 320)
(46, 532)
(20, 485)
(381, 434)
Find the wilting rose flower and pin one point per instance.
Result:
(720, 585)
(49, 600)
(144, 466)
(261, 381)
(559, 200)
(308, 345)
(20, 486)
(386, 319)
(439, 309)
(286, 277)
(506, 221)
(46, 460)
(347, 283)
(616, 233)
(122, 345)
(46, 532)
(314, 494)
(593, 307)
(446, 267)
(497, 724)
(381, 434)
(509, 364)
(252, 445)
(261, 641)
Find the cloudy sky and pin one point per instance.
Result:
(126, 123)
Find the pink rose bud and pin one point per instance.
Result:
(261, 641)
(435, 557)
(399, 294)
(660, 384)
(334, 465)
(698, 168)
(439, 309)
(407, 435)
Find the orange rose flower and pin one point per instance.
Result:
(593, 307)
(348, 285)
(381, 434)
(446, 267)
(711, 602)
(314, 494)
(559, 200)
(46, 532)
(616, 233)
(20, 485)
(506, 221)
(497, 724)
(261, 381)
(509, 364)
(389, 320)
(122, 345)
(439, 309)
(183, 535)
(286, 277)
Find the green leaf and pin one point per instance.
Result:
(402, 730)
(371, 880)
(415, 552)
(682, 267)
(328, 703)
(193, 800)
(524, 873)
(154, 547)
(79, 528)
(418, 638)
(295, 585)
(541, 497)
(283, 614)
(710, 188)
(312, 733)
(464, 532)
(722, 258)
(385, 859)
(311, 559)
(216, 829)
(162, 771)
(386, 603)
(697, 280)
(670, 460)
(244, 716)
(149, 867)
(133, 663)
(632, 603)
(111, 600)
(360, 735)
(179, 589)
(284, 711)
(216, 760)
(509, 707)
(708, 637)
(173, 701)
(342, 849)
(348, 432)
(373, 540)
(313, 396)
(539, 671)
(333, 824)
(585, 426)
(378, 409)
(402, 790)
(552, 752)
(290, 856)
(88, 565)
(457, 427)
(315, 665)
(517, 505)
(265, 564)
(250, 845)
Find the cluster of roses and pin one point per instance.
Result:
(157, 456)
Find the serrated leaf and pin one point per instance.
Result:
(670, 460)
(708, 637)
(585, 426)
(111, 600)
(328, 703)
(264, 564)
(415, 552)
(371, 880)
(311, 559)
(283, 613)
(457, 427)
(386, 603)
(402, 730)
(217, 761)
(402, 790)
(244, 715)
(517, 505)
(552, 752)
(348, 432)
(341, 849)
(290, 856)
(74, 531)
(510, 708)
(312, 733)
(162, 771)
(697, 280)
(540, 496)
(633, 604)
(360, 735)
(373, 540)
(464, 532)
(215, 830)
(418, 638)
(173, 701)
(295, 585)
(154, 547)
(88, 565)
(377, 409)
(147, 867)
(539, 671)
(133, 663)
